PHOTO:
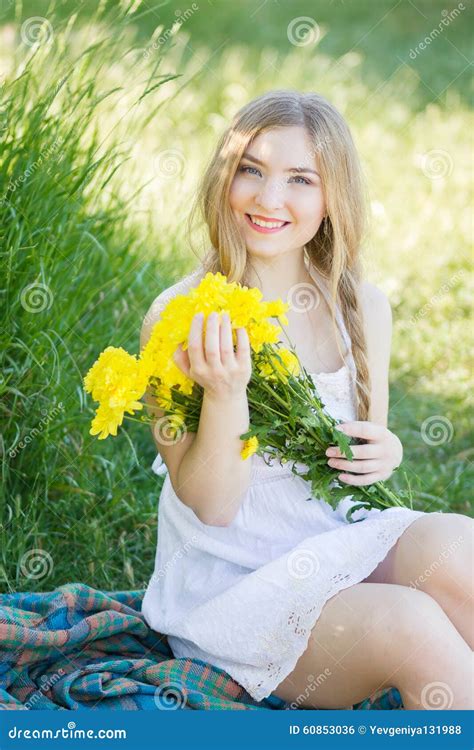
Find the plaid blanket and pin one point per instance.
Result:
(76, 647)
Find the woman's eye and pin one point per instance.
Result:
(296, 177)
(244, 169)
(305, 181)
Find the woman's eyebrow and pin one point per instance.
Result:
(291, 169)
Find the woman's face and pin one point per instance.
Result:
(277, 182)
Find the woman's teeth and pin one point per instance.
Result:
(267, 224)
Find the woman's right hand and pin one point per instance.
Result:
(223, 373)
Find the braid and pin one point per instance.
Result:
(344, 280)
(352, 314)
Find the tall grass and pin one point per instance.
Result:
(76, 280)
(105, 130)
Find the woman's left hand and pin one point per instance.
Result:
(373, 461)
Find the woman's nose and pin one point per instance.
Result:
(271, 194)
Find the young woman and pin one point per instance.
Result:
(284, 594)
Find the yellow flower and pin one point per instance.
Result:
(213, 293)
(176, 424)
(290, 361)
(163, 396)
(115, 373)
(249, 448)
(106, 421)
(288, 366)
(276, 308)
(117, 380)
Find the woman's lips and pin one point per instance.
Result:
(264, 230)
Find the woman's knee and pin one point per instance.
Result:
(383, 622)
(417, 612)
(446, 552)
(371, 609)
(437, 531)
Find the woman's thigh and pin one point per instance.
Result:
(435, 546)
(357, 645)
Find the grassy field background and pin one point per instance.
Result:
(108, 113)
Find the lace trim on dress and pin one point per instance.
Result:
(301, 618)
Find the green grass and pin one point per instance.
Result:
(92, 133)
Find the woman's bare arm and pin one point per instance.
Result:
(212, 477)
(206, 469)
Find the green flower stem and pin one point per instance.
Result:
(135, 419)
(316, 437)
(267, 408)
(275, 395)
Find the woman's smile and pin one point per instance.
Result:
(265, 226)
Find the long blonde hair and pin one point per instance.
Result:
(335, 248)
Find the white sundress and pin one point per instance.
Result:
(245, 597)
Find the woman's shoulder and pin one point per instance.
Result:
(179, 287)
(374, 301)
(182, 286)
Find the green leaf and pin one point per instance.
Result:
(343, 441)
(353, 510)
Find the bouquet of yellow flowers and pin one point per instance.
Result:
(288, 420)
